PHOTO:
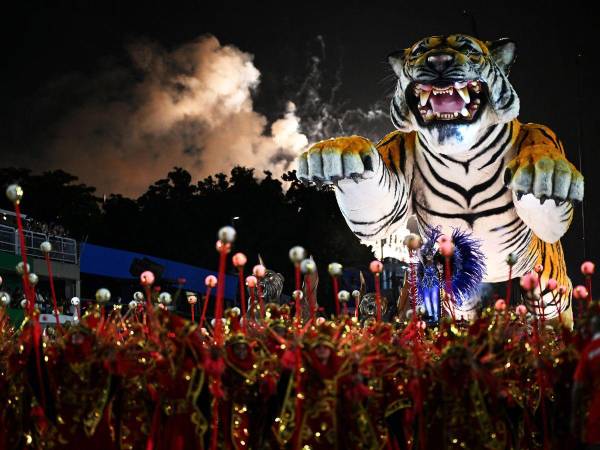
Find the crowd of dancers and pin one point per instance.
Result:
(144, 378)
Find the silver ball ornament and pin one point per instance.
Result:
(308, 266)
(5, 298)
(343, 296)
(46, 247)
(335, 269)
(20, 268)
(511, 259)
(102, 295)
(33, 279)
(297, 254)
(14, 193)
(226, 234)
(165, 298)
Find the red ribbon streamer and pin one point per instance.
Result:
(378, 296)
(242, 296)
(220, 294)
(335, 295)
(311, 300)
(205, 306)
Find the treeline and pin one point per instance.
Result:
(178, 219)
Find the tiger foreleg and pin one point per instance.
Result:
(372, 197)
(544, 185)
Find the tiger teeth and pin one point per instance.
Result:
(464, 93)
(448, 91)
(445, 116)
(466, 90)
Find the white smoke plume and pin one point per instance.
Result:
(190, 107)
(323, 113)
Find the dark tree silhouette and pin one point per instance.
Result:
(179, 220)
(55, 197)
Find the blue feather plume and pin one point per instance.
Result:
(467, 265)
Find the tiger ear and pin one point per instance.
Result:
(504, 53)
(396, 60)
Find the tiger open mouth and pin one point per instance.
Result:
(460, 100)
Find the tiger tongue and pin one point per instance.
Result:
(445, 103)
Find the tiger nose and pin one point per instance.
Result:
(440, 61)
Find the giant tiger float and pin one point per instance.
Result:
(460, 159)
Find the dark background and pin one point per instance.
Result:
(555, 74)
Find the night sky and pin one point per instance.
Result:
(77, 74)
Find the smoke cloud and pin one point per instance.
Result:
(191, 107)
(323, 113)
(127, 124)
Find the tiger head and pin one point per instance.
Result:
(451, 88)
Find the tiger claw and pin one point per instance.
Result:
(520, 195)
(543, 199)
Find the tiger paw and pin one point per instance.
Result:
(336, 159)
(544, 173)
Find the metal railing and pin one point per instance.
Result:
(63, 249)
(8, 242)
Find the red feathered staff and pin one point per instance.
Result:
(580, 293)
(46, 248)
(356, 297)
(192, 300)
(587, 269)
(343, 297)
(413, 243)
(376, 268)
(239, 261)
(259, 272)
(251, 282)
(210, 282)
(226, 237)
(14, 193)
(335, 270)
(297, 254)
(539, 268)
(146, 280)
(511, 260)
(308, 267)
